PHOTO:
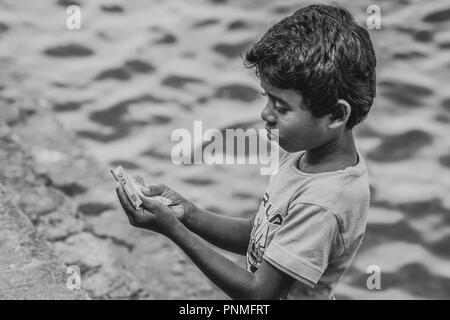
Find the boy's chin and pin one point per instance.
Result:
(272, 138)
(292, 149)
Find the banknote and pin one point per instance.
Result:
(133, 187)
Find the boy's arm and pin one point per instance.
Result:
(232, 234)
(210, 226)
(266, 283)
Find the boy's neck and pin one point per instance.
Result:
(336, 154)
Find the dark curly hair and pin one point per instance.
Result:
(324, 54)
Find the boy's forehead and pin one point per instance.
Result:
(272, 89)
(287, 93)
(268, 87)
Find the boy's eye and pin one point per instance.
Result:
(280, 110)
(275, 105)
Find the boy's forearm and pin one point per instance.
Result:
(231, 234)
(231, 278)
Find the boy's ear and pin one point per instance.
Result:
(340, 114)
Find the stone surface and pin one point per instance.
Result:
(85, 250)
(40, 165)
(112, 284)
(28, 267)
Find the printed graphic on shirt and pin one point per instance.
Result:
(267, 220)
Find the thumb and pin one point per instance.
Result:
(179, 211)
(152, 190)
(153, 205)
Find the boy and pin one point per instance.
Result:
(317, 69)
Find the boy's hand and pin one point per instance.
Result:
(179, 205)
(154, 216)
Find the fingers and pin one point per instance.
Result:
(123, 198)
(154, 206)
(154, 190)
(129, 210)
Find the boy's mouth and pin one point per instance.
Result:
(269, 130)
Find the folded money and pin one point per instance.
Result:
(133, 187)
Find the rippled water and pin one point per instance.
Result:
(137, 70)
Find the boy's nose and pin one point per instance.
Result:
(267, 115)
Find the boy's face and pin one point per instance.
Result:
(298, 128)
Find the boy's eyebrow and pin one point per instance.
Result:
(277, 98)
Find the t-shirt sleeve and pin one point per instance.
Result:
(302, 245)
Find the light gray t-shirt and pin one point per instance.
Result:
(310, 225)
